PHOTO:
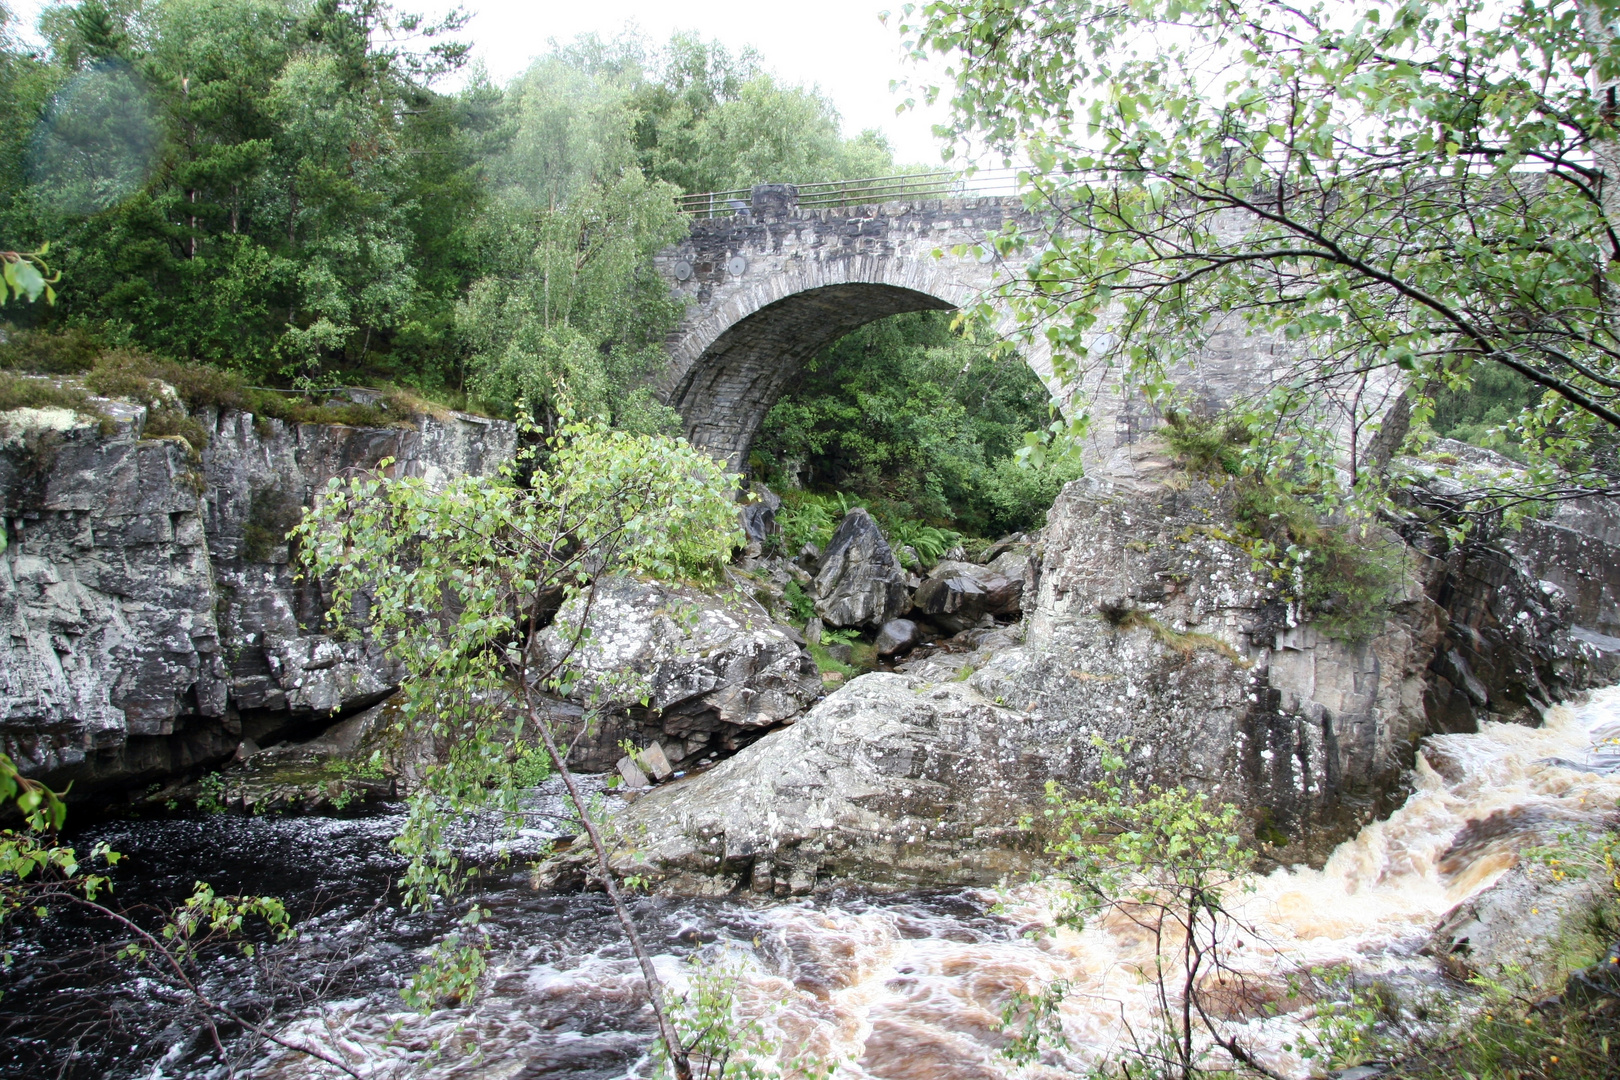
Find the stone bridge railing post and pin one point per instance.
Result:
(774, 200)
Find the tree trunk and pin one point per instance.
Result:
(649, 974)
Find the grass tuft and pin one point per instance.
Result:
(1184, 642)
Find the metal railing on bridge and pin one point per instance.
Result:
(905, 187)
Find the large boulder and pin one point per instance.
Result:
(758, 518)
(888, 781)
(896, 636)
(860, 582)
(714, 670)
(958, 594)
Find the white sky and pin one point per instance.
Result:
(838, 45)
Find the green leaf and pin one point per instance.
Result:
(25, 278)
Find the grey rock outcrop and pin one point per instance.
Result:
(1575, 549)
(1528, 616)
(324, 773)
(714, 672)
(1145, 620)
(957, 594)
(1018, 562)
(860, 582)
(1490, 932)
(1181, 647)
(887, 781)
(152, 614)
(107, 596)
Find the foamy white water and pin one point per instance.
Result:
(914, 988)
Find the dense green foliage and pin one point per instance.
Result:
(276, 187)
(919, 424)
(1483, 411)
(1422, 192)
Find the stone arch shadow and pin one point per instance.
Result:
(730, 365)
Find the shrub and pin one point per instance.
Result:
(807, 518)
(169, 422)
(1020, 495)
(1165, 860)
(1344, 574)
(1205, 444)
(63, 352)
(798, 602)
(24, 393)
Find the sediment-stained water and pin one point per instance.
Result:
(897, 986)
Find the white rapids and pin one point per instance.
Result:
(914, 990)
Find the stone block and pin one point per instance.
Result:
(897, 636)
(631, 774)
(655, 762)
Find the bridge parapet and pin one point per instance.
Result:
(932, 185)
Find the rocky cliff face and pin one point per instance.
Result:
(152, 620)
(1148, 623)
(1528, 616)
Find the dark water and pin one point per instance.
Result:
(71, 1009)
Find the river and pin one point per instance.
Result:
(901, 986)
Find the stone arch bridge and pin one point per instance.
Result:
(772, 281)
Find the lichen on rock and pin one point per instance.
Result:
(689, 668)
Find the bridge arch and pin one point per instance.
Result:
(767, 289)
(729, 370)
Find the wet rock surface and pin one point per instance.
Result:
(154, 620)
(1489, 932)
(897, 636)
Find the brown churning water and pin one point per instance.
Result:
(913, 988)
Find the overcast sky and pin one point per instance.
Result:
(839, 45)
